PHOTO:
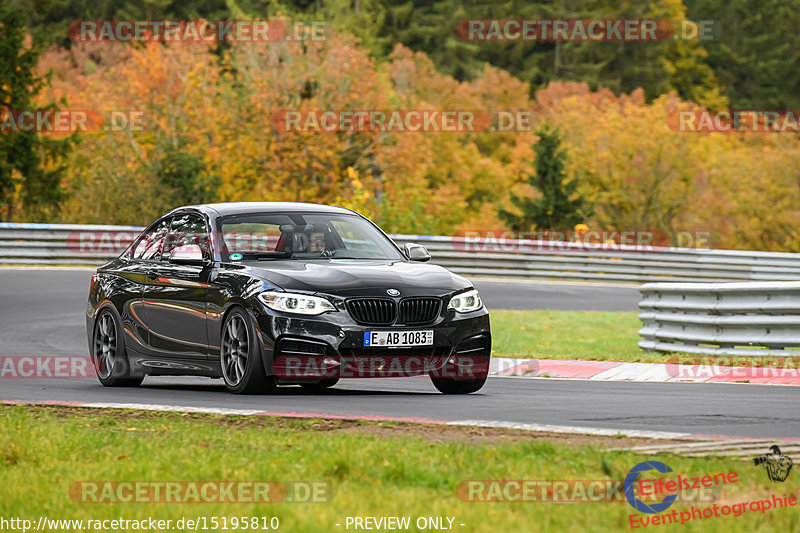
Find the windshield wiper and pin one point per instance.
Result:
(271, 256)
(360, 258)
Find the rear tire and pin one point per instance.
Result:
(109, 355)
(458, 386)
(322, 384)
(240, 356)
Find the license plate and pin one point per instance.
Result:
(398, 338)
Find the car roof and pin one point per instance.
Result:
(238, 208)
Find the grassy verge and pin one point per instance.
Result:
(590, 335)
(599, 336)
(43, 451)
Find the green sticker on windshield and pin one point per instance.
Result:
(236, 257)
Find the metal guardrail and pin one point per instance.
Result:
(59, 244)
(721, 318)
(63, 244)
(597, 262)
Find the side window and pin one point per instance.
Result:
(148, 247)
(187, 228)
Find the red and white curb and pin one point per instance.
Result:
(650, 372)
(743, 449)
(574, 430)
(19, 367)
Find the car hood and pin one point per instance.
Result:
(350, 277)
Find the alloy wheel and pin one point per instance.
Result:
(105, 345)
(235, 350)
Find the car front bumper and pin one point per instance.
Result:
(301, 349)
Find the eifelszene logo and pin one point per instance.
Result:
(630, 484)
(778, 465)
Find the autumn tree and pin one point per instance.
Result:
(184, 177)
(558, 206)
(29, 164)
(210, 112)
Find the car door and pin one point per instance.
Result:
(145, 257)
(138, 262)
(175, 297)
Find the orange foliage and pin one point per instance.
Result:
(640, 174)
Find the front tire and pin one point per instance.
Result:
(458, 386)
(109, 355)
(240, 356)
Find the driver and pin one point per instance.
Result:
(316, 242)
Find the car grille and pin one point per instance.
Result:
(373, 311)
(298, 347)
(384, 312)
(419, 310)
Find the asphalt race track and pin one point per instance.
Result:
(718, 409)
(41, 313)
(512, 294)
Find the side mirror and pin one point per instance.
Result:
(416, 252)
(189, 254)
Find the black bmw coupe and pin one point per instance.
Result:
(265, 293)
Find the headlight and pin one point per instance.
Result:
(466, 302)
(302, 304)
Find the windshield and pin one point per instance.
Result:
(287, 236)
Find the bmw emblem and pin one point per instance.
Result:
(392, 292)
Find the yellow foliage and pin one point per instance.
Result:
(639, 173)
